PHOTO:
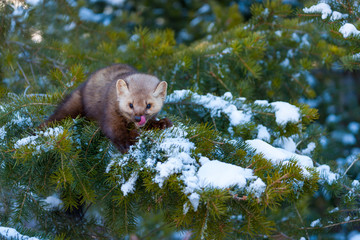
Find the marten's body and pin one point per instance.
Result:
(120, 99)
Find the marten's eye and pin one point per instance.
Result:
(131, 105)
(148, 106)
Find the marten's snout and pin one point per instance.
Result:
(137, 118)
(140, 120)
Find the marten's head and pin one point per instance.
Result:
(140, 97)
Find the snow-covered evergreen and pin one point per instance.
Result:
(246, 157)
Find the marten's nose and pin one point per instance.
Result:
(137, 118)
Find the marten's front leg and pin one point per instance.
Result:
(159, 124)
(117, 130)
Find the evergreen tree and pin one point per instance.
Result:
(244, 157)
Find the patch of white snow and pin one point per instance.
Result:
(348, 30)
(11, 233)
(2, 133)
(285, 112)
(326, 175)
(53, 202)
(310, 147)
(279, 155)
(322, 8)
(222, 175)
(263, 133)
(316, 223)
(129, 186)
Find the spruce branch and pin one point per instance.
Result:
(56, 63)
(214, 123)
(25, 77)
(26, 105)
(154, 230)
(317, 15)
(282, 236)
(92, 136)
(287, 175)
(102, 159)
(85, 190)
(63, 168)
(23, 201)
(247, 67)
(336, 33)
(348, 188)
(219, 80)
(204, 222)
(331, 225)
(179, 110)
(126, 219)
(342, 4)
(32, 71)
(212, 141)
(352, 163)
(302, 221)
(263, 113)
(243, 198)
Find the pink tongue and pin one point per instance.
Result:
(142, 121)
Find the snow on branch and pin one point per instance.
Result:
(239, 113)
(197, 173)
(325, 11)
(282, 157)
(284, 112)
(11, 233)
(322, 8)
(216, 105)
(347, 29)
(173, 154)
(31, 141)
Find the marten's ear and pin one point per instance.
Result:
(160, 90)
(121, 87)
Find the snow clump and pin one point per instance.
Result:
(322, 8)
(263, 133)
(11, 233)
(2, 133)
(280, 156)
(326, 175)
(52, 202)
(128, 187)
(222, 175)
(348, 30)
(285, 112)
(310, 147)
(316, 223)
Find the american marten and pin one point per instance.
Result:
(121, 100)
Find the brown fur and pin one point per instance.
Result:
(105, 98)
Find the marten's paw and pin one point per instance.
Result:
(160, 124)
(165, 123)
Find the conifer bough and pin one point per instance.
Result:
(199, 176)
(268, 171)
